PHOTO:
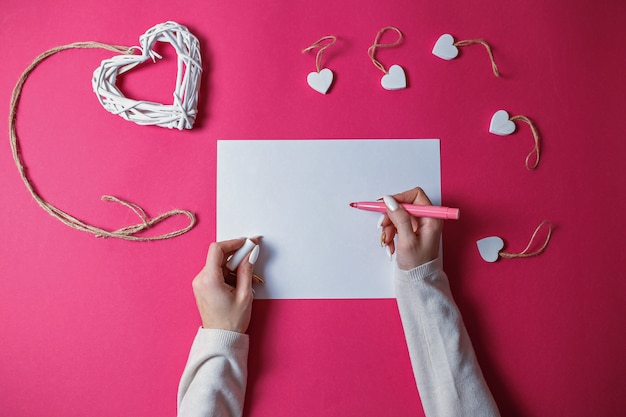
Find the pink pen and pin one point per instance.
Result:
(435, 212)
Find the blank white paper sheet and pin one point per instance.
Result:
(296, 195)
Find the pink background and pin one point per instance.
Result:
(103, 327)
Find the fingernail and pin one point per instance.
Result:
(254, 255)
(383, 237)
(390, 202)
(381, 219)
(388, 251)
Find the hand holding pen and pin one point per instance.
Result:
(418, 237)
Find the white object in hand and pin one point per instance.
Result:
(444, 47)
(241, 253)
(500, 124)
(395, 79)
(320, 81)
(490, 247)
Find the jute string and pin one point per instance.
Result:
(468, 42)
(320, 52)
(126, 233)
(371, 51)
(525, 253)
(535, 150)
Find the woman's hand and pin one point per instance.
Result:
(418, 237)
(221, 305)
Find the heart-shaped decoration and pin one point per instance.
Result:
(320, 81)
(444, 47)
(490, 247)
(181, 114)
(500, 124)
(394, 79)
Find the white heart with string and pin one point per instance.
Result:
(395, 79)
(444, 47)
(490, 247)
(320, 81)
(500, 124)
(181, 114)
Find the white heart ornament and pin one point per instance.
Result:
(490, 247)
(181, 114)
(320, 81)
(500, 124)
(395, 79)
(444, 47)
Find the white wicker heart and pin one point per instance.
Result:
(181, 114)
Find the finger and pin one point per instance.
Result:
(399, 217)
(216, 257)
(387, 235)
(218, 251)
(391, 248)
(240, 254)
(381, 221)
(386, 228)
(244, 272)
(421, 198)
(410, 196)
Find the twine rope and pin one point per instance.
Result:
(126, 233)
(468, 42)
(320, 52)
(535, 149)
(371, 51)
(524, 253)
(181, 114)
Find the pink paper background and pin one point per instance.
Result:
(103, 327)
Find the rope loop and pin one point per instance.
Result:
(535, 150)
(126, 233)
(468, 42)
(371, 51)
(320, 52)
(525, 253)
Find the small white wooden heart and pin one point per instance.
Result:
(500, 124)
(444, 47)
(181, 114)
(320, 81)
(490, 247)
(395, 79)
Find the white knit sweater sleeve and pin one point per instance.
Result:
(214, 380)
(448, 377)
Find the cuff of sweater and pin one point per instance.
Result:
(224, 338)
(421, 272)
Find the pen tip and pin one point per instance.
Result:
(352, 204)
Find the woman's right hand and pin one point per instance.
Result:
(418, 237)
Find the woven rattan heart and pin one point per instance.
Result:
(181, 114)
